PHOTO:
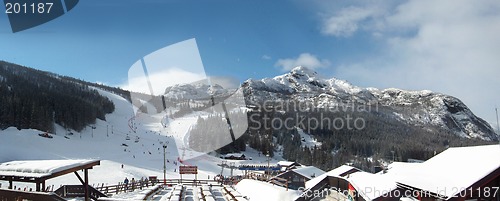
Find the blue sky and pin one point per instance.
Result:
(103, 38)
(412, 44)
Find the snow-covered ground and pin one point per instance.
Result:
(258, 190)
(307, 140)
(125, 138)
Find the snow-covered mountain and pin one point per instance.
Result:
(195, 91)
(418, 108)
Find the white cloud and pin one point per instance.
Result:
(179, 63)
(266, 57)
(346, 22)
(448, 46)
(345, 18)
(160, 80)
(304, 59)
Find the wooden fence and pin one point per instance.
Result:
(6, 194)
(121, 187)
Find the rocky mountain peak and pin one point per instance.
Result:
(194, 91)
(302, 71)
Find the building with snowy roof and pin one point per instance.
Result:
(297, 178)
(39, 171)
(337, 183)
(234, 156)
(462, 173)
(288, 165)
(341, 171)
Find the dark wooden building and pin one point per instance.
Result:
(297, 178)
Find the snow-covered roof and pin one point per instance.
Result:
(234, 155)
(314, 181)
(286, 163)
(334, 173)
(371, 186)
(309, 171)
(398, 169)
(39, 168)
(455, 168)
(341, 170)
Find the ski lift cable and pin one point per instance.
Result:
(123, 133)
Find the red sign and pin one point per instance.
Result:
(352, 192)
(188, 170)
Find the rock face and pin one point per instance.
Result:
(419, 108)
(194, 91)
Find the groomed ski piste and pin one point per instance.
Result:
(130, 146)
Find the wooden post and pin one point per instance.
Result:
(86, 185)
(10, 184)
(43, 186)
(37, 186)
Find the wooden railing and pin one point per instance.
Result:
(73, 191)
(257, 176)
(121, 187)
(280, 182)
(6, 194)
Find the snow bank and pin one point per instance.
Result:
(257, 190)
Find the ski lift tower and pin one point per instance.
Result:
(268, 167)
(223, 164)
(232, 166)
(165, 163)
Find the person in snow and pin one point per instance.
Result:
(126, 182)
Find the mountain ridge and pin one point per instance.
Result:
(414, 107)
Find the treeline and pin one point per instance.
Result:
(212, 133)
(381, 137)
(31, 98)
